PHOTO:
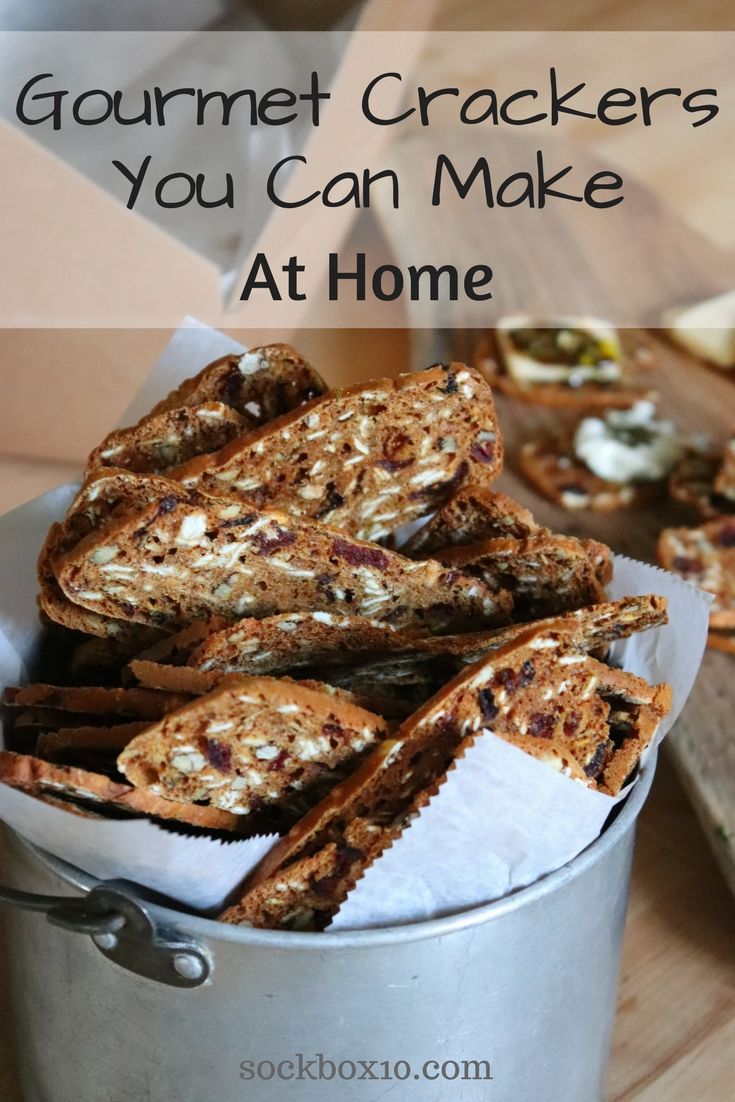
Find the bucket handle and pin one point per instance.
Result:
(124, 930)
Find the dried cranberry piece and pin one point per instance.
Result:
(218, 754)
(359, 555)
(541, 725)
(512, 680)
(483, 453)
(267, 544)
(167, 504)
(596, 762)
(277, 765)
(230, 386)
(726, 538)
(571, 724)
(333, 730)
(394, 452)
(393, 464)
(451, 386)
(332, 501)
(237, 522)
(526, 674)
(685, 565)
(486, 700)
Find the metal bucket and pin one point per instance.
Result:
(513, 1001)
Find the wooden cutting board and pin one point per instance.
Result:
(699, 398)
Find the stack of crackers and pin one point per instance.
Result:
(274, 606)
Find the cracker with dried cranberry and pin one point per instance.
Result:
(547, 574)
(538, 692)
(473, 513)
(188, 556)
(705, 557)
(278, 644)
(261, 384)
(251, 742)
(74, 787)
(419, 669)
(196, 682)
(102, 497)
(550, 466)
(164, 440)
(725, 478)
(368, 458)
(694, 482)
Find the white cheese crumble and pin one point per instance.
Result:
(629, 445)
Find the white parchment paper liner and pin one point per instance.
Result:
(501, 820)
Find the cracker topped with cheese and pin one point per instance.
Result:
(573, 362)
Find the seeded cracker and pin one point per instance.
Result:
(547, 574)
(165, 440)
(182, 560)
(250, 742)
(550, 467)
(420, 668)
(295, 639)
(693, 482)
(368, 458)
(103, 495)
(42, 779)
(260, 384)
(472, 514)
(705, 556)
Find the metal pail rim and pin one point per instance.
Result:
(199, 927)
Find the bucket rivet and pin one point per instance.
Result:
(105, 941)
(188, 966)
